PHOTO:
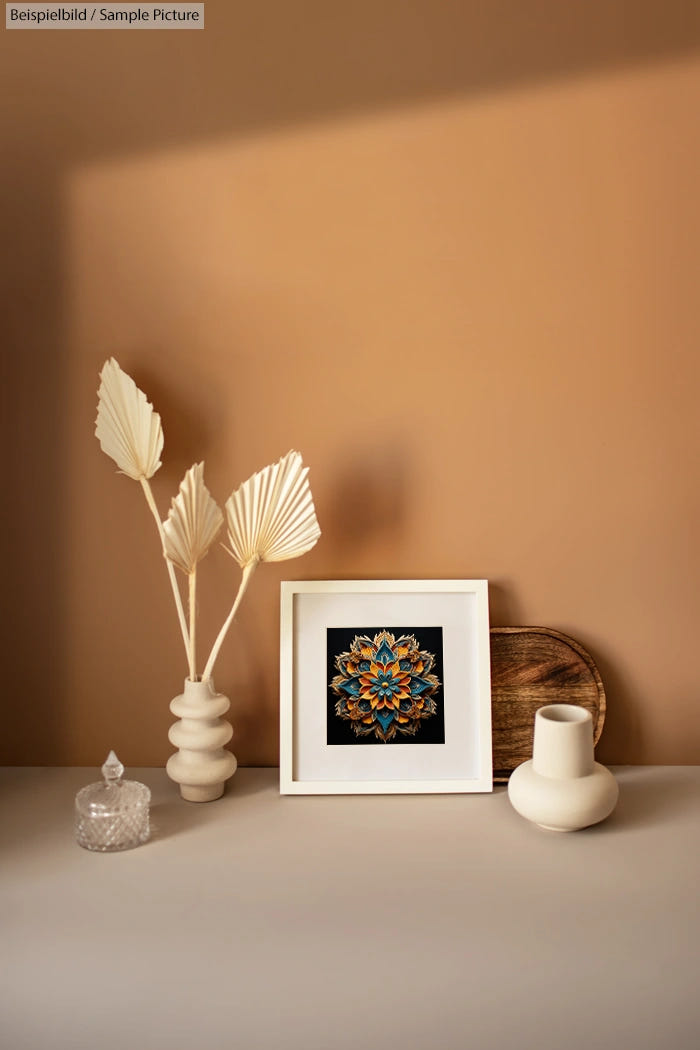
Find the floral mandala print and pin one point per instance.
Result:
(385, 686)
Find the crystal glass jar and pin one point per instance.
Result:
(113, 814)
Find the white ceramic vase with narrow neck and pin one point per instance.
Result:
(201, 766)
(562, 788)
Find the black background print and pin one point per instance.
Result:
(339, 730)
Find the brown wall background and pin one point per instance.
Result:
(448, 251)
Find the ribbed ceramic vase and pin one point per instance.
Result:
(562, 788)
(201, 766)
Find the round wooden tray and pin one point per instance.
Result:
(531, 667)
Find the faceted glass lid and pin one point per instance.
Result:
(112, 794)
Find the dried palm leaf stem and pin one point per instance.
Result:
(148, 493)
(245, 579)
(192, 601)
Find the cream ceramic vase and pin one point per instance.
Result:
(201, 766)
(562, 788)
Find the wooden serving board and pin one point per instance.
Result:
(531, 667)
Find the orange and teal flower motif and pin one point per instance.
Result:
(384, 685)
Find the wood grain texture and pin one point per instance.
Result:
(532, 667)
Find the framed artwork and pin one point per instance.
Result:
(385, 687)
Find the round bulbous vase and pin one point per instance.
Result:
(562, 788)
(201, 766)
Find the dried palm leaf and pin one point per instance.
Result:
(271, 517)
(127, 427)
(188, 533)
(193, 522)
(129, 431)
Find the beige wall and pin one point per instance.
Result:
(450, 255)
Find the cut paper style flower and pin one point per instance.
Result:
(385, 685)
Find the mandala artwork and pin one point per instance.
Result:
(385, 686)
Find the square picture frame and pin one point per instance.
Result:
(385, 687)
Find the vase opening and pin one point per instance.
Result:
(564, 713)
(563, 741)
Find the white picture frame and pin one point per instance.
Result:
(379, 749)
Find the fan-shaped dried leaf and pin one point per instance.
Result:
(271, 517)
(193, 522)
(127, 427)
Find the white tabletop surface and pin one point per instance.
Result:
(347, 922)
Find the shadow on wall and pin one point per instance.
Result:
(622, 732)
(272, 63)
(83, 96)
